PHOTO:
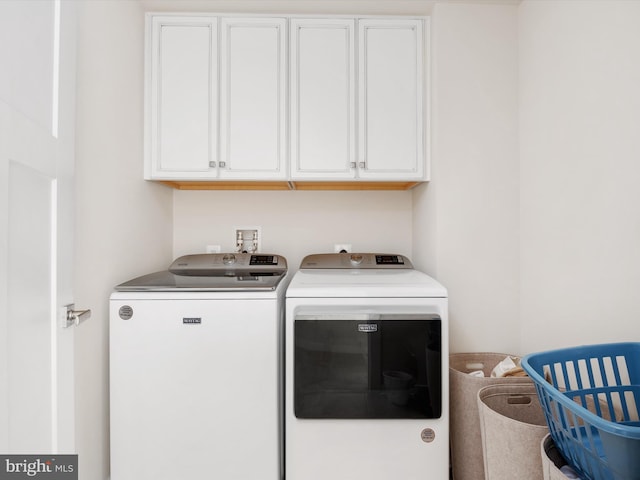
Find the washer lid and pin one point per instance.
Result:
(214, 272)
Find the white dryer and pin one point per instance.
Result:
(366, 370)
(196, 370)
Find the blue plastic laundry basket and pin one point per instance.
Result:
(590, 396)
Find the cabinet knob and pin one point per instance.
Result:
(352, 164)
(362, 165)
(212, 164)
(223, 164)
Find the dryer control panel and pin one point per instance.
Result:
(356, 260)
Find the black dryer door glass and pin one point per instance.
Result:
(387, 367)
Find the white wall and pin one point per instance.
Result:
(312, 7)
(123, 224)
(466, 219)
(294, 223)
(530, 219)
(580, 165)
(531, 216)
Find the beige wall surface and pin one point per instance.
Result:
(465, 220)
(123, 224)
(579, 166)
(294, 224)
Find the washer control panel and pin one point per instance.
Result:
(212, 263)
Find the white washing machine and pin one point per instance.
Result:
(366, 370)
(196, 368)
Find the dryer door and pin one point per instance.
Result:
(367, 366)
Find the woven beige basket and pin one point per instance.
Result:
(466, 442)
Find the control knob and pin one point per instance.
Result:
(356, 259)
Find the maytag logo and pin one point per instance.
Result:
(59, 467)
(192, 320)
(367, 327)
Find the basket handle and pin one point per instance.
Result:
(475, 366)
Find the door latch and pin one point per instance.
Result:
(75, 317)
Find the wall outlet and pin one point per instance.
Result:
(342, 247)
(213, 249)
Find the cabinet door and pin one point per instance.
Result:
(181, 101)
(390, 99)
(252, 98)
(322, 98)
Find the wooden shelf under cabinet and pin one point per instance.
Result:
(353, 185)
(224, 185)
(262, 185)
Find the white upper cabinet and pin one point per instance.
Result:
(277, 99)
(198, 129)
(322, 57)
(181, 97)
(253, 98)
(390, 89)
(388, 143)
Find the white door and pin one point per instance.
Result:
(253, 98)
(323, 144)
(37, 61)
(390, 83)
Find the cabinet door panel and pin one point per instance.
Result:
(322, 98)
(253, 98)
(390, 83)
(183, 97)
